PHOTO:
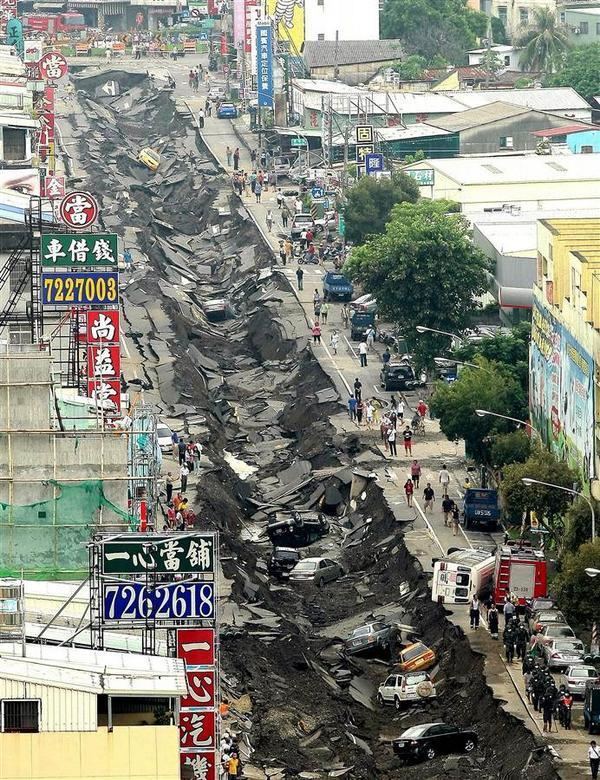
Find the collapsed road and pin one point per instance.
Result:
(250, 389)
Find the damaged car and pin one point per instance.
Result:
(370, 637)
(318, 571)
(415, 657)
(298, 530)
(281, 562)
(429, 740)
(401, 688)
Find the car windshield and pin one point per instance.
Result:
(549, 617)
(303, 218)
(583, 673)
(415, 679)
(559, 630)
(306, 566)
(416, 731)
(286, 555)
(568, 647)
(414, 652)
(336, 278)
(404, 371)
(362, 631)
(163, 432)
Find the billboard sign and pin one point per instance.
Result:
(373, 163)
(53, 66)
(53, 187)
(289, 18)
(196, 646)
(66, 250)
(197, 730)
(105, 391)
(133, 601)
(80, 289)
(16, 187)
(203, 764)
(363, 151)
(191, 553)
(104, 362)
(264, 64)
(78, 210)
(561, 391)
(364, 134)
(424, 177)
(102, 327)
(201, 689)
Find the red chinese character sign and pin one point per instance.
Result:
(53, 187)
(104, 362)
(203, 764)
(78, 210)
(53, 66)
(197, 730)
(105, 393)
(102, 327)
(201, 689)
(196, 646)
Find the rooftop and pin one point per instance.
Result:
(531, 168)
(475, 117)
(543, 99)
(320, 54)
(568, 130)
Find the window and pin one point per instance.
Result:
(321, 37)
(597, 28)
(562, 17)
(13, 141)
(587, 149)
(506, 142)
(503, 14)
(21, 715)
(321, 2)
(523, 16)
(507, 60)
(584, 28)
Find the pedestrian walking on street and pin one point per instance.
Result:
(352, 407)
(324, 312)
(429, 498)
(370, 336)
(279, 198)
(317, 308)
(362, 352)
(208, 107)
(181, 450)
(175, 443)
(455, 520)
(285, 215)
(444, 479)
(492, 619)
(447, 507)
(201, 118)
(289, 250)
(184, 473)
(345, 315)
(384, 429)
(196, 82)
(357, 389)
(474, 613)
(594, 756)
(253, 157)
(269, 220)
(415, 472)
(334, 340)
(407, 437)
(169, 486)
(191, 79)
(229, 154)
(400, 409)
(316, 333)
(392, 442)
(509, 611)
(369, 414)
(360, 408)
(236, 159)
(316, 298)
(257, 190)
(409, 489)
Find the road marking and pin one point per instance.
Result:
(428, 524)
(342, 377)
(349, 345)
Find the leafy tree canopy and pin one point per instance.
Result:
(545, 42)
(580, 70)
(490, 387)
(506, 448)
(433, 27)
(424, 270)
(576, 592)
(370, 202)
(578, 523)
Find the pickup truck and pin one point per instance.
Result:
(360, 322)
(481, 508)
(337, 287)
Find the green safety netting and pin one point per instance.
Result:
(47, 540)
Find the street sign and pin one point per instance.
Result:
(424, 177)
(203, 36)
(373, 163)
(364, 134)
(68, 250)
(134, 601)
(341, 225)
(53, 66)
(191, 553)
(78, 210)
(362, 150)
(298, 142)
(80, 289)
(317, 192)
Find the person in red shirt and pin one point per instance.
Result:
(409, 489)
(309, 236)
(422, 408)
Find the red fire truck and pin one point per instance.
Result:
(520, 571)
(53, 23)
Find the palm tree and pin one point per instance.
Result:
(545, 42)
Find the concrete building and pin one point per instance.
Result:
(573, 139)
(498, 127)
(582, 21)
(353, 62)
(326, 20)
(565, 349)
(525, 182)
(515, 16)
(508, 55)
(69, 712)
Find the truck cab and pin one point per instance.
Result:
(360, 322)
(481, 508)
(337, 287)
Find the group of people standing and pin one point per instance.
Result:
(194, 77)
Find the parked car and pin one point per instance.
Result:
(360, 322)
(336, 287)
(298, 530)
(561, 653)
(163, 437)
(400, 688)
(415, 657)
(281, 561)
(591, 706)
(545, 617)
(216, 93)
(536, 605)
(317, 571)
(553, 631)
(575, 678)
(398, 376)
(370, 636)
(433, 739)
(282, 165)
(301, 222)
(226, 111)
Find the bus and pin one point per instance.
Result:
(462, 574)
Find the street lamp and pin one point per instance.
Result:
(440, 361)
(530, 481)
(423, 329)
(485, 412)
(591, 572)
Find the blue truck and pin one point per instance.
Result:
(336, 286)
(481, 508)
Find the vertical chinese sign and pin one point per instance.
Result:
(51, 67)
(264, 65)
(8, 10)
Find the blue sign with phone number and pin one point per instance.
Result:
(80, 289)
(175, 601)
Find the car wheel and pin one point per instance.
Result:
(469, 745)
(321, 582)
(380, 700)
(430, 753)
(397, 703)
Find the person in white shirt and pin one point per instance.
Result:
(594, 756)
(362, 351)
(444, 478)
(474, 613)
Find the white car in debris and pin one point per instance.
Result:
(401, 688)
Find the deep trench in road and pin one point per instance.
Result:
(295, 698)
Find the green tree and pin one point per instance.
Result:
(498, 31)
(370, 202)
(491, 62)
(506, 448)
(578, 523)
(580, 70)
(433, 27)
(489, 387)
(578, 594)
(424, 270)
(549, 504)
(411, 68)
(545, 42)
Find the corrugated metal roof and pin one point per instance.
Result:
(568, 130)
(475, 117)
(322, 54)
(544, 98)
(114, 640)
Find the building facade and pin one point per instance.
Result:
(516, 15)
(582, 21)
(326, 20)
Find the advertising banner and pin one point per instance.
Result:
(134, 601)
(8, 10)
(203, 764)
(16, 187)
(192, 554)
(239, 22)
(66, 250)
(264, 64)
(196, 646)
(102, 327)
(80, 289)
(201, 689)
(561, 391)
(53, 187)
(198, 730)
(104, 362)
(289, 16)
